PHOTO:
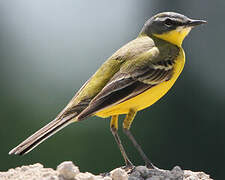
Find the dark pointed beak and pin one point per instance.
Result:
(193, 22)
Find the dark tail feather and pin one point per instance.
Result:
(42, 134)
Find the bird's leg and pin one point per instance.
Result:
(126, 129)
(114, 130)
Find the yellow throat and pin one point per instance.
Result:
(175, 36)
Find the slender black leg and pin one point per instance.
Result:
(114, 128)
(126, 126)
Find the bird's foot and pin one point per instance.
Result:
(149, 165)
(128, 168)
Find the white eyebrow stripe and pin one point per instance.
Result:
(164, 18)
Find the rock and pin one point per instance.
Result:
(68, 170)
(31, 172)
(119, 174)
(189, 175)
(143, 173)
(107, 178)
(85, 176)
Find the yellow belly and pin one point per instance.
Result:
(148, 97)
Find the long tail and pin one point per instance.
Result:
(42, 134)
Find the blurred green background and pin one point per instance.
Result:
(48, 49)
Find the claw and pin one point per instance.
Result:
(150, 165)
(128, 168)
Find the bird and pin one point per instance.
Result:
(132, 79)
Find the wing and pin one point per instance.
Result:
(105, 73)
(135, 76)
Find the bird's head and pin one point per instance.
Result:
(170, 26)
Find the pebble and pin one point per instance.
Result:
(68, 170)
(85, 176)
(118, 174)
(189, 175)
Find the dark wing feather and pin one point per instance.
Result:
(154, 73)
(125, 86)
(114, 93)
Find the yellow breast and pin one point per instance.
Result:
(148, 97)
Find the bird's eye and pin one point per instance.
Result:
(168, 22)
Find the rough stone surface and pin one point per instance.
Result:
(189, 175)
(141, 172)
(31, 172)
(68, 171)
(119, 174)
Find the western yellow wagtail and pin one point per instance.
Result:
(133, 78)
